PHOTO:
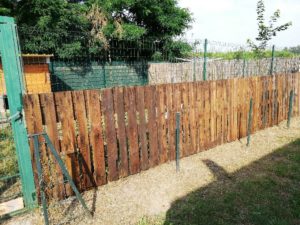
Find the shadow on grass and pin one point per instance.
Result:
(265, 192)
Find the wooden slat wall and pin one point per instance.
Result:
(104, 135)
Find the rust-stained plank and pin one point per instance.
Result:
(161, 123)
(65, 114)
(142, 128)
(170, 121)
(110, 133)
(132, 132)
(96, 136)
(150, 102)
(49, 112)
(83, 139)
(119, 106)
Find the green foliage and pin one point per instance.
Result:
(157, 56)
(180, 49)
(8, 158)
(7, 7)
(157, 18)
(295, 50)
(66, 28)
(266, 32)
(240, 55)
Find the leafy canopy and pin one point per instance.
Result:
(67, 28)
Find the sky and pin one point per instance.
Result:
(234, 21)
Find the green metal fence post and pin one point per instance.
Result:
(66, 173)
(177, 141)
(272, 60)
(205, 59)
(40, 177)
(249, 122)
(290, 108)
(11, 62)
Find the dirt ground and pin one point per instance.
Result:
(152, 192)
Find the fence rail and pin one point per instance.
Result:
(104, 135)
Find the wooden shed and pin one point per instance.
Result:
(36, 74)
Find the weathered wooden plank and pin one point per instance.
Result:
(142, 128)
(132, 132)
(49, 113)
(119, 106)
(200, 115)
(170, 121)
(192, 114)
(213, 127)
(245, 107)
(177, 106)
(150, 103)
(96, 136)
(161, 125)
(65, 114)
(83, 139)
(110, 134)
(280, 95)
(207, 115)
(225, 120)
(219, 111)
(233, 109)
(34, 125)
(185, 120)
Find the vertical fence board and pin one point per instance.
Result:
(150, 97)
(185, 121)
(161, 125)
(83, 139)
(192, 115)
(119, 105)
(132, 132)
(212, 127)
(177, 108)
(111, 138)
(226, 103)
(200, 116)
(49, 112)
(34, 124)
(142, 128)
(65, 113)
(170, 122)
(96, 136)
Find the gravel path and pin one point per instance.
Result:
(152, 192)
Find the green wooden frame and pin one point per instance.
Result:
(12, 67)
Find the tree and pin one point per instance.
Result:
(159, 19)
(68, 28)
(7, 7)
(266, 32)
(52, 26)
(295, 50)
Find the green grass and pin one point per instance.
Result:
(264, 193)
(8, 159)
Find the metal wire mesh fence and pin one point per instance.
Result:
(79, 61)
(10, 183)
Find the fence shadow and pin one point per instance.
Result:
(265, 192)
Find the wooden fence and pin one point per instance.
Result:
(104, 135)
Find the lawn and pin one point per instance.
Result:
(265, 192)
